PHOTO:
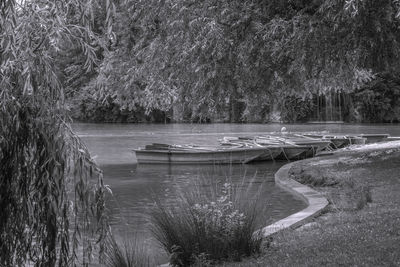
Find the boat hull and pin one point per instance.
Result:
(357, 140)
(339, 142)
(393, 138)
(295, 152)
(226, 156)
(270, 153)
(374, 138)
(316, 146)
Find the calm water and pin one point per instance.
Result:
(134, 185)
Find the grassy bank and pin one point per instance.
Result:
(362, 224)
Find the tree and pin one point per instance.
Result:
(379, 100)
(201, 55)
(333, 45)
(237, 58)
(49, 203)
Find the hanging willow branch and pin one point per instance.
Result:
(51, 192)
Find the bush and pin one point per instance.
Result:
(128, 253)
(315, 177)
(207, 228)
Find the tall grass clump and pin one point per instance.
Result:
(204, 228)
(126, 253)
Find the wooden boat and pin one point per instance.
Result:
(374, 138)
(234, 150)
(325, 122)
(291, 152)
(317, 144)
(290, 147)
(339, 141)
(166, 154)
(393, 138)
(270, 153)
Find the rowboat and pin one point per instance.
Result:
(374, 138)
(294, 144)
(290, 147)
(270, 140)
(235, 150)
(357, 140)
(203, 155)
(340, 141)
(393, 138)
(291, 152)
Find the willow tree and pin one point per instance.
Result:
(211, 56)
(51, 192)
(198, 54)
(325, 45)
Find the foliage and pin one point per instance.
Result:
(232, 59)
(325, 45)
(379, 100)
(207, 229)
(201, 55)
(295, 108)
(51, 208)
(87, 109)
(131, 253)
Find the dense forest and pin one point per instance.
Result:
(240, 61)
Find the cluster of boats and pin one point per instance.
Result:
(239, 150)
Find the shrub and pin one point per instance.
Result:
(128, 253)
(316, 177)
(206, 228)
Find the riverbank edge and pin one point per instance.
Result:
(316, 203)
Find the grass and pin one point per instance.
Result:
(361, 226)
(209, 224)
(126, 253)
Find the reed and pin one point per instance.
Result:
(126, 253)
(209, 224)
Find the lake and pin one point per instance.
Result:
(134, 186)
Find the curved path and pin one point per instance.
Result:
(315, 201)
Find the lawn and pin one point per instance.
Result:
(362, 223)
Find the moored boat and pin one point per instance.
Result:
(393, 138)
(201, 155)
(357, 140)
(374, 138)
(340, 141)
(316, 146)
(293, 144)
(337, 141)
(295, 152)
(235, 150)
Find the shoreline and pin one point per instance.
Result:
(316, 203)
(353, 179)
